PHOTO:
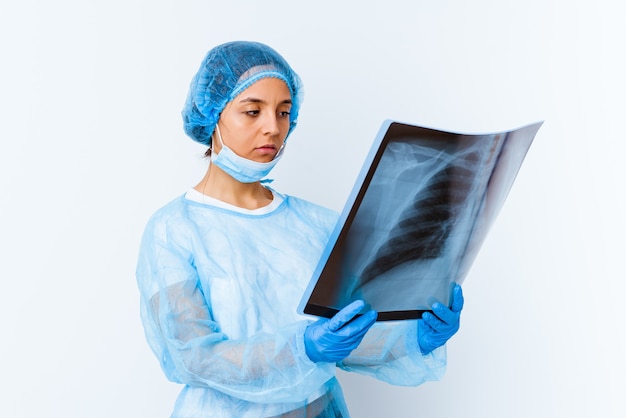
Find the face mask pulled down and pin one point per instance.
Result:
(239, 168)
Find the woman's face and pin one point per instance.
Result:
(255, 123)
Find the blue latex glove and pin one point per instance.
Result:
(332, 340)
(434, 330)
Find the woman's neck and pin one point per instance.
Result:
(219, 185)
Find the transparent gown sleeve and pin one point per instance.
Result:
(390, 352)
(265, 368)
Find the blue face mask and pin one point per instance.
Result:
(239, 168)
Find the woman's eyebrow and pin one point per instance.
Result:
(256, 100)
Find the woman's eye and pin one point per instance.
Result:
(252, 112)
(284, 114)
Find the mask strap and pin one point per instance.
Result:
(280, 150)
(219, 134)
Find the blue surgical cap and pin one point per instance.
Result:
(226, 71)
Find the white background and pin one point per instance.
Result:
(92, 144)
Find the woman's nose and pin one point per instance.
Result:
(270, 125)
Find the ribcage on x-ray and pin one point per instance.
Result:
(425, 224)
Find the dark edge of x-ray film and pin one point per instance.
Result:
(386, 255)
(325, 311)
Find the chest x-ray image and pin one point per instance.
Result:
(419, 211)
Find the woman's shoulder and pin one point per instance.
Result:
(172, 214)
(311, 210)
(171, 210)
(303, 204)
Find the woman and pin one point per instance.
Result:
(222, 268)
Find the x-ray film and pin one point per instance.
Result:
(416, 218)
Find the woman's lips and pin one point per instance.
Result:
(266, 150)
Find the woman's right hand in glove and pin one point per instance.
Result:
(332, 340)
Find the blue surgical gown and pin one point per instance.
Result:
(219, 292)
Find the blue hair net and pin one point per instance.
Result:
(226, 71)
